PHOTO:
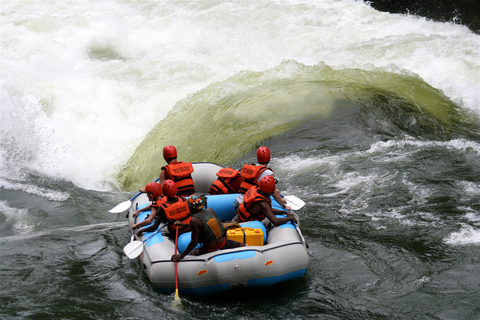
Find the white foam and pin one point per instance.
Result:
(466, 235)
(397, 147)
(20, 219)
(49, 194)
(83, 83)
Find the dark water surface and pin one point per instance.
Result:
(380, 220)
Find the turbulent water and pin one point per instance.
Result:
(372, 118)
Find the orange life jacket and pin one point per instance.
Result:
(178, 210)
(222, 184)
(244, 212)
(250, 174)
(180, 173)
(159, 202)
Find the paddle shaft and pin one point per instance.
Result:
(132, 250)
(126, 204)
(176, 269)
(135, 196)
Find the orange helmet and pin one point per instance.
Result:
(154, 188)
(263, 155)
(169, 152)
(169, 188)
(267, 184)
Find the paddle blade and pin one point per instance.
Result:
(121, 207)
(133, 249)
(294, 202)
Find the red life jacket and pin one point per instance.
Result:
(223, 184)
(250, 174)
(178, 210)
(180, 173)
(244, 212)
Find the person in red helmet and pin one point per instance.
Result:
(253, 173)
(174, 209)
(154, 194)
(256, 204)
(178, 171)
(207, 229)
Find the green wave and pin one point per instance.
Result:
(228, 119)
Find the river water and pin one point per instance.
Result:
(372, 119)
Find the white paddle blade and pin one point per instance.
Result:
(294, 202)
(133, 249)
(121, 207)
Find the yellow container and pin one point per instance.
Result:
(250, 236)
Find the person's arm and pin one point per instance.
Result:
(148, 220)
(281, 201)
(154, 226)
(195, 226)
(161, 176)
(180, 224)
(136, 212)
(270, 214)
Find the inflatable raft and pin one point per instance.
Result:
(283, 255)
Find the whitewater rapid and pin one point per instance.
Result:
(84, 82)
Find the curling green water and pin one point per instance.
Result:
(228, 119)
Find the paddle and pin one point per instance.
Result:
(134, 248)
(177, 297)
(297, 227)
(126, 204)
(294, 202)
(133, 235)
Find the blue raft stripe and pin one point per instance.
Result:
(223, 205)
(287, 225)
(183, 241)
(275, 205)
(235, 255)
(268, 281)
(158, 238)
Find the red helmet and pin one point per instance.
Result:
(267, 184)
(263, 155)
(169, 152)
(154, 188)
(169, 188)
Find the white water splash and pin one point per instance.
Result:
(83, 82)
(19, 218)
(466, 235)
(46, 193)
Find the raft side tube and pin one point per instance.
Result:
(229, 270)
